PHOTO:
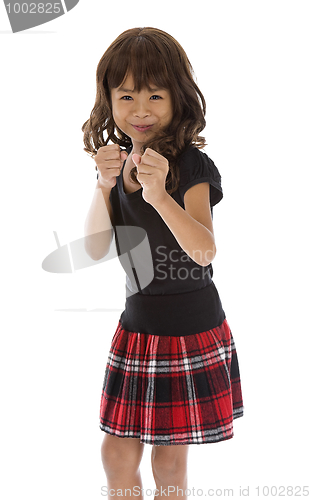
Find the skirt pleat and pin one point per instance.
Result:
(168, 390)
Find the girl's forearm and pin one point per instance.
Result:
(194, 238)
(98, 231)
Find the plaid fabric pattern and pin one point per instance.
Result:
(169, 390)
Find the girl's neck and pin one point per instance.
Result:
(136, 149)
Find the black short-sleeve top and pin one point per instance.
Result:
(196, 167)
(174, 274)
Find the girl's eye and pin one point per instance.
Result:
(128, 98)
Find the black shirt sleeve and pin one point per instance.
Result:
(196, 167)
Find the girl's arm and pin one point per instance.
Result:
(192, 227)
(98, 230)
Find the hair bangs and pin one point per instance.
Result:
(138, 57)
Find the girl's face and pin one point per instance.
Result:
(140, 115)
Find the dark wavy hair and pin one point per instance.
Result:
(152, 57)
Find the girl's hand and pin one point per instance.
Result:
(109, 161)
(152, 170)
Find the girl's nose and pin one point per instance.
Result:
(141, 110)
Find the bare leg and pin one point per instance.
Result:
(121, 459)
(169, 467)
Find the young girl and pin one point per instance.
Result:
(172, 377)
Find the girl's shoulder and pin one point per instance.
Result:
(196, 166)
(194, 163)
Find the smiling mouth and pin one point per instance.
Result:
(142, 128)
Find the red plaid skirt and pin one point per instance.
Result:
(168, 390)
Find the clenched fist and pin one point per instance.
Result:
(152, 171)
(109, 161)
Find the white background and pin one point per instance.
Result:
(252, 63)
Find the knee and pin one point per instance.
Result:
(117, 461)
(168, 468)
